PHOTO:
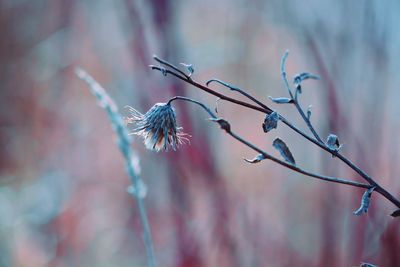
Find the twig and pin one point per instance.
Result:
(226, 126)
(241, 91)
(166, 63)
(295, 98)
(207, 89)
(262, 107)
(284, 74)
(266, 110)
(369, 179)
(131, 160)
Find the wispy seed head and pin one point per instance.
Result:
(157, 127)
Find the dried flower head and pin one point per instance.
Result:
(157, 127)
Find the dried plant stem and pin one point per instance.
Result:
(212, 92)
(366, 177)
(295, 99)
(131, 160)
(266, 110)
(228, 130)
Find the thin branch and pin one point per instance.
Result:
(209, 90)
(226, 126)
(284, 74)
(306, 119)
(295, 98)
(166, 63)
(131, 160)
(267, 110)
(298, 169)
(263, 108)
(193, 101)
(241, 91)
(166, 71)
(321, 144)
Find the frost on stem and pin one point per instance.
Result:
(158, 127)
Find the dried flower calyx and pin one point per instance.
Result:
(158, 127)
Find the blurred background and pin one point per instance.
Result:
(63, 199)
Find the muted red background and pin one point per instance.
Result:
(63, 199)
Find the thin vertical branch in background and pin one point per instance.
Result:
(138, 189)
(295, 97)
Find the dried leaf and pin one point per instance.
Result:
(332, 141)
(281, 100)
(279, 145)
(222, 123)
(256, 159)
(395, 213)
(270, 122)
(365, 201)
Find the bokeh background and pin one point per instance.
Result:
(63, 199)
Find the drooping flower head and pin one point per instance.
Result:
(157, 127)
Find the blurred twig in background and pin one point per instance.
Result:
(137, 189)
